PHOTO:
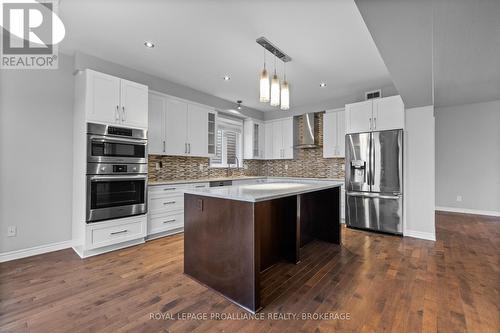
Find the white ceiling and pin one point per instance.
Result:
(198, 42)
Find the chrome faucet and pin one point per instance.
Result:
(236, 165)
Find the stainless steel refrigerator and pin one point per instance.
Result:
(374, 181)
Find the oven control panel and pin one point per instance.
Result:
(115, 169)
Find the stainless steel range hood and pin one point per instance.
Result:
(305, 135)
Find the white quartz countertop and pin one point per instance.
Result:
(236, 178)
(265, 191)
(201, 180)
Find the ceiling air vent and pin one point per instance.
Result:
(373, 94)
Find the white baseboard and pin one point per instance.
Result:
(468, 211)
(421, 235)
(33, 251)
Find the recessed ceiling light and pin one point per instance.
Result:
(322, 84)
(149, 44)
(226, 78)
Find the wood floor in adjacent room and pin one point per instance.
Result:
(384, 283)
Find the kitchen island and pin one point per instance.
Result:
(234, 233)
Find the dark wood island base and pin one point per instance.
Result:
(228, 243)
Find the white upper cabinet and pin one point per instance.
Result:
(134, 103)
(375, 115)
(268, 144)
(334, 133)
(254, 139)
(176, 127)
(111, 100)
(359, 117)
(287, 132)
(180, 128)
(102, 98)
(279, 139)
(156, 126)
(388, 113)
(197, 130)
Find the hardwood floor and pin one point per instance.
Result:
(383, 283)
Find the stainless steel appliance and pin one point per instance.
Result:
(374, 181)
(117, 172)
(111, 144)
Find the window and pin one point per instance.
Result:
(228, 143)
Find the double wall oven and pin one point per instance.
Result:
(117, 172)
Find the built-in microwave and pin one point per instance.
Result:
(111, 144)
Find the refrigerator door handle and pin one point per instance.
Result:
(372, 161)
(373, 195)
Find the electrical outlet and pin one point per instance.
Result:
(157, 166)
(11, 231)
(342, 166)
(286, 166)
(245, 167)
(200, 167)
(459, 198)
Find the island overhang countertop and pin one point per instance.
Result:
(265, 191)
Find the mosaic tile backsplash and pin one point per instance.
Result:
(308, 163)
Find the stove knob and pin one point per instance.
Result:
(103, 168)
(134, 169)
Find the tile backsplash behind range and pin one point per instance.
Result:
(179, 168)
(307, 163)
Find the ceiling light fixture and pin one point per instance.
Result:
(285, 92)
(279, 93)
(239, 104)
(322, 84)
(264, 83)
(226, 78)
(149, 44)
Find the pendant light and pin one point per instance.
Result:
(264, 83)
(285, 92)
(275, 88)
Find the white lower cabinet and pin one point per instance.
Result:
(166, 208)
(164, 222)
(102, 234)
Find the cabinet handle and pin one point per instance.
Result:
(123, 113)
(185, 148)
(370, 123)
(163, 146)
(169, 202)
(189, 145)
(117, 114)
(375, 123)
(118, 232)
(167, 221)
(169, 189)
(200, 186)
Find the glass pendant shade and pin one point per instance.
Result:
(275, 91)
(264, 86)
(285, 96)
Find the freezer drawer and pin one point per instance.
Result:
(375, 212)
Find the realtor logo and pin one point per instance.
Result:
(31, 31)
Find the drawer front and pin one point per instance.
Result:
(109, 235)
(172, 190)
(159, 205)
(160, 223)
